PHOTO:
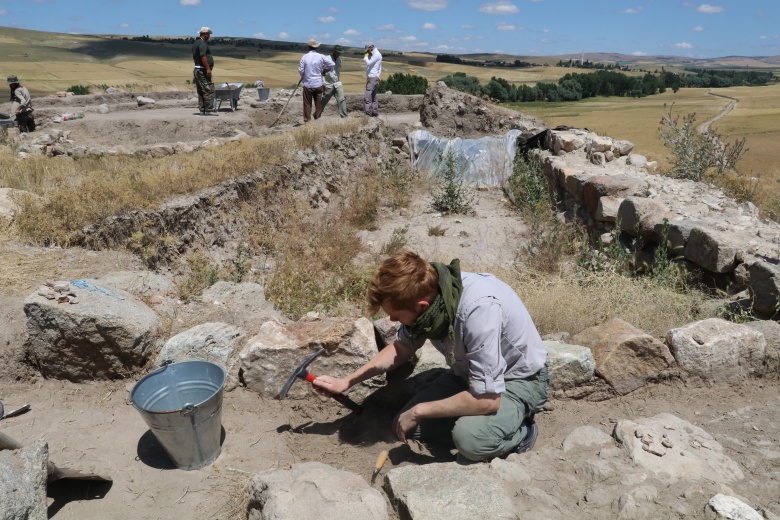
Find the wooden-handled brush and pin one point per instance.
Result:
(380, 461)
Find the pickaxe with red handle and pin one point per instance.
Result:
(302, 373)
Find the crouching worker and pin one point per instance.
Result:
(484, 404)
(22, 105)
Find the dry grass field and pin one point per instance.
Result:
(48, 62)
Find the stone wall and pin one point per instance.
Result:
(600, 179)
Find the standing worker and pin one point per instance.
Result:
(22, 105)
(311, 68)
(373, 61)
(484, 405)
(333, 83)
(204, 64)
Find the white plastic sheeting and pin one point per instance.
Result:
(487, 161)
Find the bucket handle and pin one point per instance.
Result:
(189, 409)
(163, 365)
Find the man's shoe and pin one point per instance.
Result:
(529, 440)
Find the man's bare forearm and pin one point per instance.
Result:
(389, 358)
(458, 405)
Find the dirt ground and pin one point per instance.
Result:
(91, 427)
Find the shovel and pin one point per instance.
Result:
(54, 473)
(288, 102)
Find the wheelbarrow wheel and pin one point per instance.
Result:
(234, 103)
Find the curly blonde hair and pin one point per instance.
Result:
(402, 280)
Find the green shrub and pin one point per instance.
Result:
(449, 193)
(79, 90)
(407, 84)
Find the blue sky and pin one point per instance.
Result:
(518, 27)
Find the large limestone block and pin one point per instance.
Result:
(436, 491)
(143, 284)
(718, 350)
(270, 357)
(241, 304)
(608, 208)
(694, 454)
(625, 356)
(569, 365)
(638, 213)
(564, 142)
(109, 334)
(608, 186)
(599, 144)
(765, 286)
(711, 250)
(677, 234)
(622, 147)
(724, 507)
(771, 331)
(23, 482)
(313, 490)
(215, 342)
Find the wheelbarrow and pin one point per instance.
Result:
(228, 92)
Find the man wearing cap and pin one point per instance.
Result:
(22, 105)
(204, 64)
(333, 83)
(311, 68)
(373, 61)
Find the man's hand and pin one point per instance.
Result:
(327, 385)
(406, 421)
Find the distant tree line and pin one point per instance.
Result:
(448, 58)
(587, 64)
(571, 87)
(705, 78)
(400, 83)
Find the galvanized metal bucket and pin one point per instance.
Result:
(182, 405)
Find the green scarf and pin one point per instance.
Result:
(436, 322)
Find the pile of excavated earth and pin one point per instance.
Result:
(637, 426)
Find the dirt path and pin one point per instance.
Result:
(705, 126)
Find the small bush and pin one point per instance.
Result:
(78, 90)
(436, 231)
(200, 274)
(527, 187)
(396, 243)
(399, 179)
(695, 155)
(450, 194)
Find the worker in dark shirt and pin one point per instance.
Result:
(204, 64)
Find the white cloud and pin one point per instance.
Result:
(707, 8)
(121, 25)
(429, 26)
(501, 7)
(408, 39)
(428, 5)
(536, 1)
(352, 32)
(189, 2)
(386, 27)
(326, 19)
(443, 47)
(631, 10)
(698, 28)
(344, 41)
(334, 10)
(325, 36)
(466, 26)
(768, 37)
(683, 45)
(283, 36)
(503, 26)
(259, 35)
(545, 30)
(638, 53)
(3, 12)
(546, 40)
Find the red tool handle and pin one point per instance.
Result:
(341, 398)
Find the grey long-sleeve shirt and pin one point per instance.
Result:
(495, 338)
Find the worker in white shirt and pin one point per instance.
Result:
(373, 61)
(311, 68)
